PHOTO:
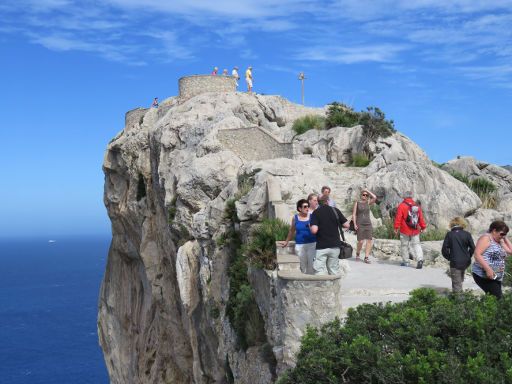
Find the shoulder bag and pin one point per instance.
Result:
(345, 248)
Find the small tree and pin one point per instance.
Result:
(341, 115)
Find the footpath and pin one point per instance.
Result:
(383, 281)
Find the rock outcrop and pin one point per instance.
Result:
(168, 176)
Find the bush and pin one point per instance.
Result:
(375, 208)
(386, 230)
(341, 115)
(241, 308)
(359, 160)
(308, 122)
(375, 124)
(507, 279)
(427, 339)
(433, 234)
(459, 176)
(486, 190)
(261, 249)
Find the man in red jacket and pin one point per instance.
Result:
(410, 222)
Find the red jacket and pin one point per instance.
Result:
(401, 216)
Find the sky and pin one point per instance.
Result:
(442, 70)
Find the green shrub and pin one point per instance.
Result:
(507, 279)
(433, 234)
(486, 190)
(375, 208)
(386, 230)
(341, 115)
(459, 176)
(428, 339)
(245, 182)
(375, 124)
(241, 308)
(359, 160)
(308, 122)
(261, 249)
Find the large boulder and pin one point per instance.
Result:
(442, 197)
(499, 176)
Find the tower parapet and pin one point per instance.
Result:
(190, 86)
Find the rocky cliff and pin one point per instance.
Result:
(168, 176)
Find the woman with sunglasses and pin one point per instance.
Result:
(363, 224)
(305, 241)
(490, 253)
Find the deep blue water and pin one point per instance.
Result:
(48, 308)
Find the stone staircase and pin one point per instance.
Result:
(341, 181)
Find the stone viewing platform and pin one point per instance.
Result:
(190, 86)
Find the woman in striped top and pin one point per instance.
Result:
(490, 253)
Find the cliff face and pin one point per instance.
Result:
(168, 176)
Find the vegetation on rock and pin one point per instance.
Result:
(427, 339)
(308, 122)
(484, 188)
(341, 115)
(387, 231)
(261, 249)
(359, 160)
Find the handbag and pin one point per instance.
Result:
(346, 249)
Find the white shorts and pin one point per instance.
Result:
(249, 82)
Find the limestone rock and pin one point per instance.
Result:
(442, 197)
(500, 177)
(168, 176)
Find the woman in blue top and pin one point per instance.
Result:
(305, 241)
(489, 266)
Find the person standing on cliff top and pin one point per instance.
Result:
(410, 223)
(248, 79)
(235, 74)
(155, 103)
(325, 224)
(215, 71)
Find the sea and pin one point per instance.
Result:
(48, 310)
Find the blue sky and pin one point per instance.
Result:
(71, 69)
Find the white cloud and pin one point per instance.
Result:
(380, 53)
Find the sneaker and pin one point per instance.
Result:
(419, 265)
(404, 264)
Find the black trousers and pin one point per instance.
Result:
(492, 287)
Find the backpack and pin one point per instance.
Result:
(413, 216)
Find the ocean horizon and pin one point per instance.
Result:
(49, 293)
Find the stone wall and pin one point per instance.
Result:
(134, 118)
(254, 144)
(190, 86)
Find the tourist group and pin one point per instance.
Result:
(318, 228)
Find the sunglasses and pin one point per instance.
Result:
(305, 206)
(503, 234)
(364, 195)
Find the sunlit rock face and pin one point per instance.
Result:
(168, 174)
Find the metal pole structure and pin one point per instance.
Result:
(301, 78)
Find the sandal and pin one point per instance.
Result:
(367, 260)
(358, 258)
